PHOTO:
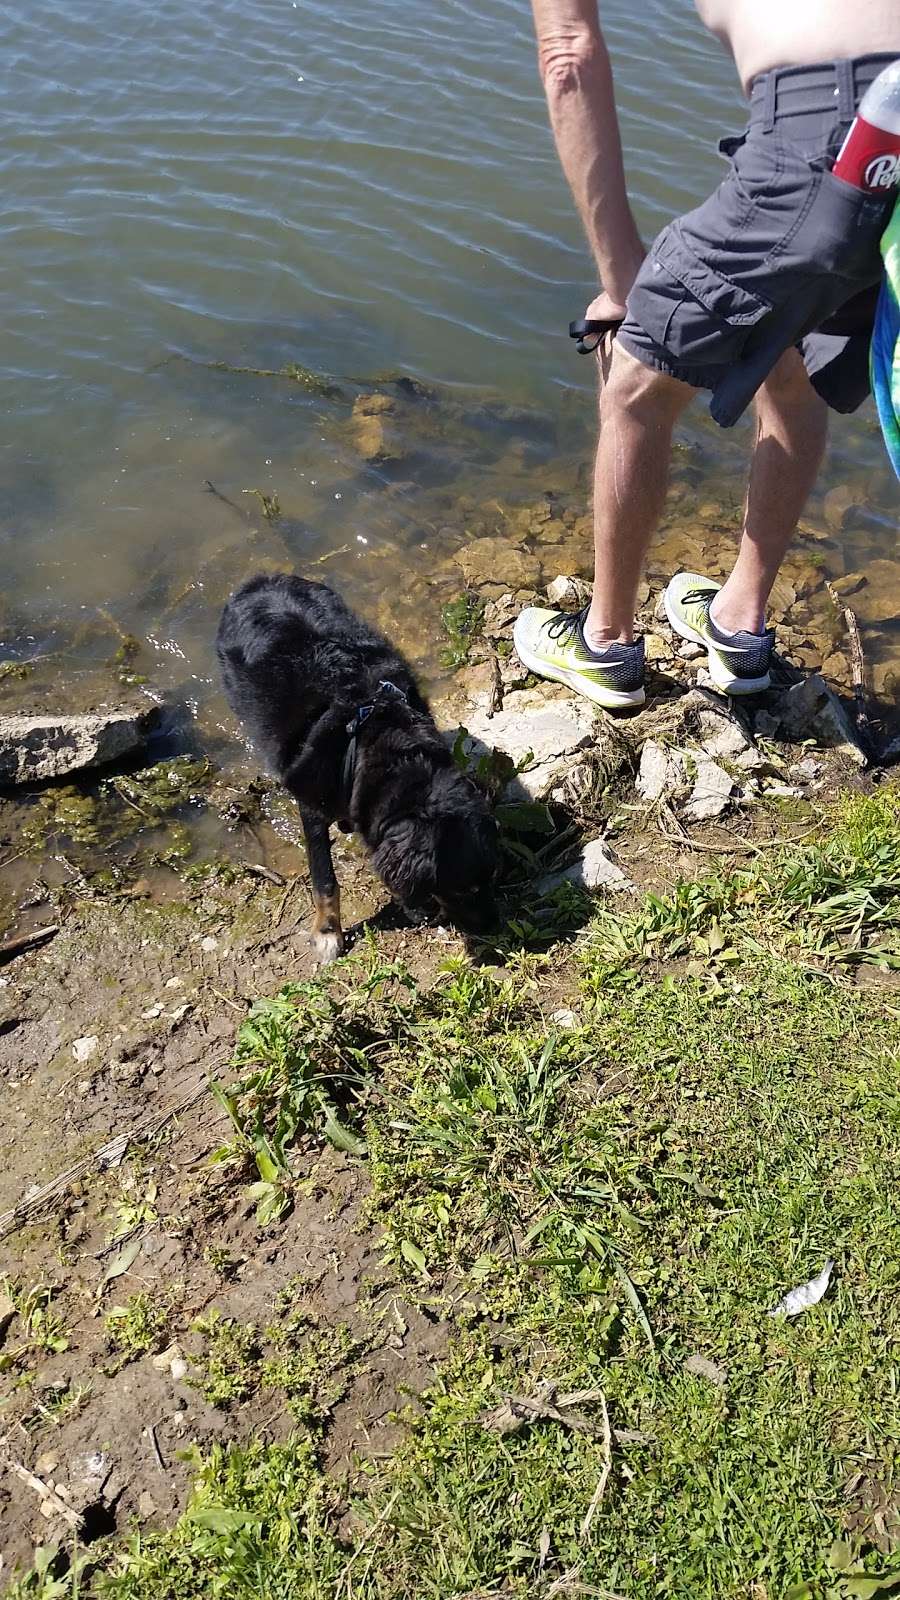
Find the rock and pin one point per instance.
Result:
(569, 593)
(782, 598)
(712, 792)
(46, 1464)
(565, 1019)
(499, 616)
(548, 735)
(810, 710)
(765, 726)
(178, 1368)
(837, 505)
(7, 1312)
(656, 649)
(34, 748)
(493, 560)
(723, 738)
(850, 584)
(662, 772)
(553, 531)
(372, 429)
(836, 666)
(784, 791)
(886, 680)
(84, 1049)
(689, 651)
(596, 868)
(877, 601)
(807, 769)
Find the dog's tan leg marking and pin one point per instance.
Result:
(328, 937)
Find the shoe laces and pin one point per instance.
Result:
(699, 597)
(565, 622)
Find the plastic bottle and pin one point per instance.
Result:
(869, 157)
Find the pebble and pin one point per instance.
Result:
(84, 1049)
(178, 1368)
(209, 944)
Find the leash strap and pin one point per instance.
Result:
(386, 691)
(592, 328)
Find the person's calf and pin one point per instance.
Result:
(638, 410)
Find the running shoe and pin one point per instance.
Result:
(739, 663)
(551, 643)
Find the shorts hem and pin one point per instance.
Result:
(659, 360)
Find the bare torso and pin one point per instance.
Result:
(789, 33)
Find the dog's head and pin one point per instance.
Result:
(443, 856)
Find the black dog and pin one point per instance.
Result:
(338, 716)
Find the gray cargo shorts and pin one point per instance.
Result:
(782, 254)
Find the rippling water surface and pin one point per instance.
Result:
(190, 188)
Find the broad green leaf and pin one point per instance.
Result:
(218, 1519)
(341, 1137)
(411, 1253)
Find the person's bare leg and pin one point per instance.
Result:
(791, 426)
(638, 410)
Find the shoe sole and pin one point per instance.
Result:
(718, 670)
(610, 699)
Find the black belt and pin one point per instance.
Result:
(835, 86)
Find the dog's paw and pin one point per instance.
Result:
(327, 947)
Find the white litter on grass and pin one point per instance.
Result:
(805, 1295)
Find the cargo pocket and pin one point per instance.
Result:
(841, 232)
(682, 303)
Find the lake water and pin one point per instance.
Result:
(193, 187)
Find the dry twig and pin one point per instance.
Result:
(27, 941)
(57, 1186)
(46, 1491)
(604, 1475)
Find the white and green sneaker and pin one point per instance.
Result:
(739, 663)
(551, 643)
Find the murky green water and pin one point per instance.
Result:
(353, 188)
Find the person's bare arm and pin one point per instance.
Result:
(577, 79)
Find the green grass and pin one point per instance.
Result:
(593, 1208)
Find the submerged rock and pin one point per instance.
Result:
(34, 748)
(595, 868)
(373, 428)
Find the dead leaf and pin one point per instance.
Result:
(120, 1263)
(702, 1367)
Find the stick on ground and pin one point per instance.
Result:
(27, 941)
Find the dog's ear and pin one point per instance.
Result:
(404, 859)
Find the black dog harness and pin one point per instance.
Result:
(386, 691)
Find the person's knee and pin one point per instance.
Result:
(787, 388)
(641, 392)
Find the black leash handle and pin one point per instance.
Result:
(592, 328)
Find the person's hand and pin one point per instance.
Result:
(604, 308)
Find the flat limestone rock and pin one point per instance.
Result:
(661, 773)
(34, 748)
(712, 791)
(546, 737)
(596, 868)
